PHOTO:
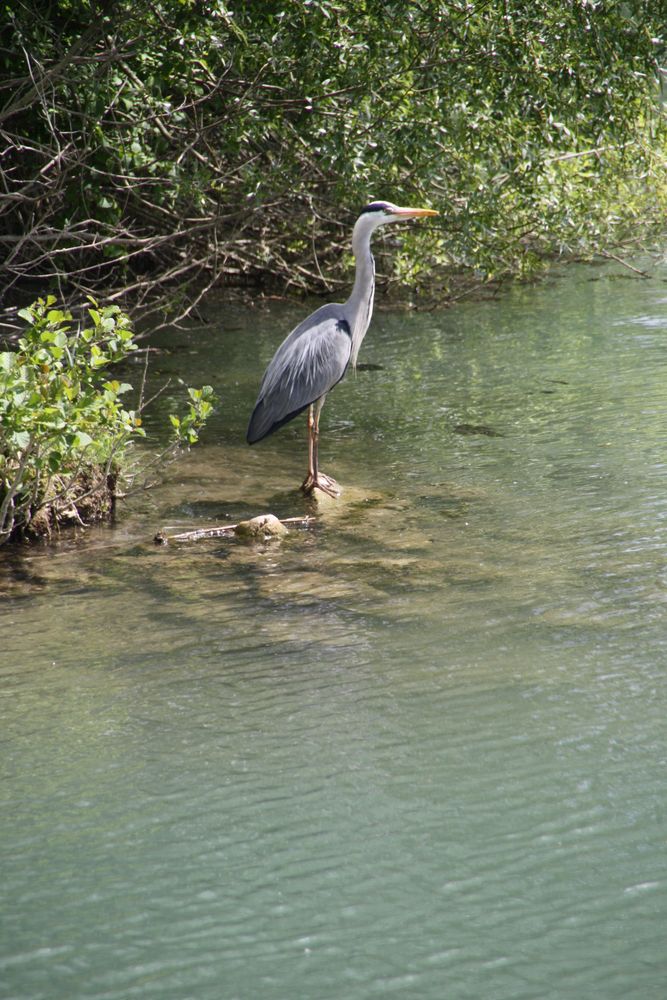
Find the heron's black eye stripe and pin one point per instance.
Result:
(375, 206)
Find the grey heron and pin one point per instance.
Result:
(315, 355)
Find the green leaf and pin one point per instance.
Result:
(83, 439)
(21, 439)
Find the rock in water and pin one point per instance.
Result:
(264, 526)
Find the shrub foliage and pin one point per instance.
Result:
(154, 146)
(64, 426)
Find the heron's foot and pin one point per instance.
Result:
(321, 482)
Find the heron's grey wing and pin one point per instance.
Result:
(309, 363)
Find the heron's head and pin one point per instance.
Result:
(378, 213)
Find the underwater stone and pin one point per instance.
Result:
(263, 526)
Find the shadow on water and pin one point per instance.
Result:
(413, 749)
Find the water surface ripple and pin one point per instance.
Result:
(416, 751)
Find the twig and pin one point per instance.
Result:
(612, 256)
(588, 152)
(7, 508)
(161, 538)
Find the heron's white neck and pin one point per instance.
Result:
(359, 306)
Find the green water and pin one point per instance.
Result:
(417, 750)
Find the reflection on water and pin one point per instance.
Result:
(416, 750)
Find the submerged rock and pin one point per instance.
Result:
(482, 429)
(263, 526)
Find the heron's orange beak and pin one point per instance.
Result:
(414, 213)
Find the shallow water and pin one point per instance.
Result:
(416, 750)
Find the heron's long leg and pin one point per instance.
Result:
(312, 447)
(316, 479)
(316, 410)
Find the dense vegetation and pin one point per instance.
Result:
(152, 147)
(65, 429)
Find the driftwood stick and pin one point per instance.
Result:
(219, 531)
(612, 256)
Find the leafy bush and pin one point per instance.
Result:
(65, 429)
(171, 143)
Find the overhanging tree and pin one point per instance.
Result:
(154, 148)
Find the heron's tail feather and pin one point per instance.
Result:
(262, 422)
